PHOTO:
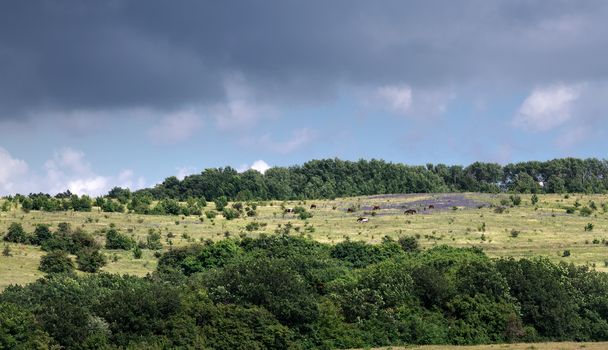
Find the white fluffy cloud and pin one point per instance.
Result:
(68, 169)
(547, 107)
(12, 171)
(176, 127)
(258, 165)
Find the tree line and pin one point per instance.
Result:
(328, 179)
(331, 178)
(291, 292)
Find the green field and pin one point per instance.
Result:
(460, 220)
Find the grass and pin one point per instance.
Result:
(544, 229)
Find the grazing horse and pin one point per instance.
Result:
(288, 210)
(362, 220)
(431, 207)
(376, 207)
(350, 210)
(410, 212)
(313, 206)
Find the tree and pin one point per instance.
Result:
(117, 240)
(20, 330)
(16, 234)
(220, 203)
(90, 260)
(409, 243)
(56, 261)
(42, 233)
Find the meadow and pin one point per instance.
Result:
(529, 229)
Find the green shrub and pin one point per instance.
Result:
(230, 213)
(137, 252)
(16, 234)
(117, 240)
(56, 261)
(586, 211)
(90, 260)
(409, 243)
(515, 199)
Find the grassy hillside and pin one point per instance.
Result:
(458, 220)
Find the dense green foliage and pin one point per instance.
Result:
(56, 261)
(288, 292)
(331, 178)
(117, 240)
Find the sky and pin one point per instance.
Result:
(97, 94)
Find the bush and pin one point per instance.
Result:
(211, 214)
(220, 203)
(153, 240)
(137, 252)
(42, 233)
(16, 234)
(534, 199)
(409, 243)
(230, 213)
(586, 211)
(515, 199)
(589, 227)
(56, 261)
(90, 260)
(117, 240)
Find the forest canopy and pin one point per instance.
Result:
(331, 178)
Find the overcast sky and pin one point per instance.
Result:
(95, 94)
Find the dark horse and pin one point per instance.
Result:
(410, 212)
(431, 207)
(313, 206)
(350, 210)
(376, 207)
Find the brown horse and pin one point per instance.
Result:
(410, 212)
(313, 206)
(431, 207)
(350, 210)
(376, 207)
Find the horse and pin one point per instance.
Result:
(431, 207)
(350, 210)
(288, 210)
(376, 207)
(313, 206)
(362, 220)
(410, 212)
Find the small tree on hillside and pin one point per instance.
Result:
(16, 234)
(56, 261)
(90, 260)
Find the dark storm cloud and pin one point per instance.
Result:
(103, 55)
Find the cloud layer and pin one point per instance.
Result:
(69, 55)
